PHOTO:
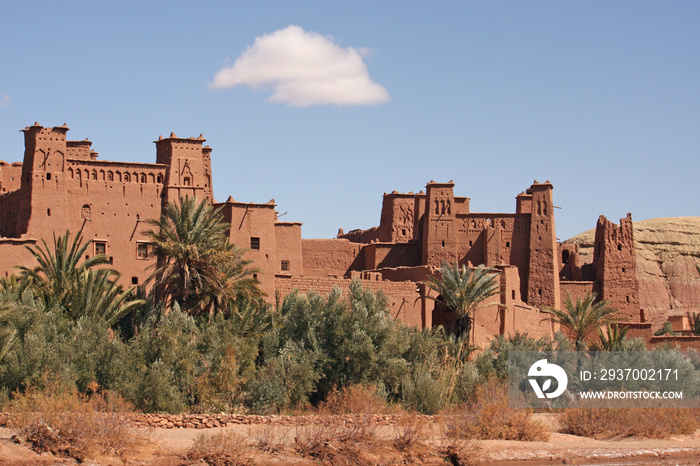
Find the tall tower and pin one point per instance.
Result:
(44, 153)
(439, 226)
(189, 167)
(543, 277)
(615, 260)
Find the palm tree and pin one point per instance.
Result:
(62, 278)
(694, 320)
(196, 265)
(583, 317)
(612, 339)
(463, 289)
(57, 269)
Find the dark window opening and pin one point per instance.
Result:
(470, 244)
(507, 244)
(627, 298)
(539, 291)
(255, 276)
(619, 247)
(142, 251)
(565, 256)
(255, 243)
(443, 243)
(100, 248)
(285, 266)
(111, 260)
(403, 232)
(134, 280)
(512, 294)
(48, 212)
(48, 176)
(623, 270)
(186, 181)
(87, 257)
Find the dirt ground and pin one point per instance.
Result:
(167, 447)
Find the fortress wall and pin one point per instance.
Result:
(576, 288)
(10, 176)
(288, 245)
(401, 295)
(381, 255)
(331, 257)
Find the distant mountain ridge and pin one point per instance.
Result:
(668, 251)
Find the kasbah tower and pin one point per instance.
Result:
(61, 185)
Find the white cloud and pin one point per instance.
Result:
(303, 69)
(5, 100)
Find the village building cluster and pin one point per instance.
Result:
(62, 185)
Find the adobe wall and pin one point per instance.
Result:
(10, 176)
(401, 295)
(683, 343)
(288, 245)
(615, 260)
(331, 257)
(382, 255)
(14, 252)
(253, 228)
(577, 288)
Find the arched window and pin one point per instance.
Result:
(159, 179)
(143, 177)
(119, 176)
(151, 178)
(70, 172)
(102, 175)
(85, 212)
(94, 174)
(127, 177)
(110, 176)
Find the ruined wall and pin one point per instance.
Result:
(331, 257)
(616, 266)
(401, 295)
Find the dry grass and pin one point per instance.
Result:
(460, 452)
(488, 416)
(225, 449)
(269, 438)
(631, 422)
(411, 430)
(337, 441)
(68, 424)
(355, 399)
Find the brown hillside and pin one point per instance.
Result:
(668, 251)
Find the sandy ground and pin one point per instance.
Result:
(167, 447)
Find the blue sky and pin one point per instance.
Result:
(602, 98)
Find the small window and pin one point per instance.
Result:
(255, 243)
(100, 248)
(470, 244)
(255, 276)
(186, 181)
(512, 294)
(134, 280)
(48, 176)
(48, 212)
(285, 266)
(142, 251)
(619, 247)
(507, 244)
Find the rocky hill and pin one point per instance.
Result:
(668, 252)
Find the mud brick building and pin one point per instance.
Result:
(62, 185)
